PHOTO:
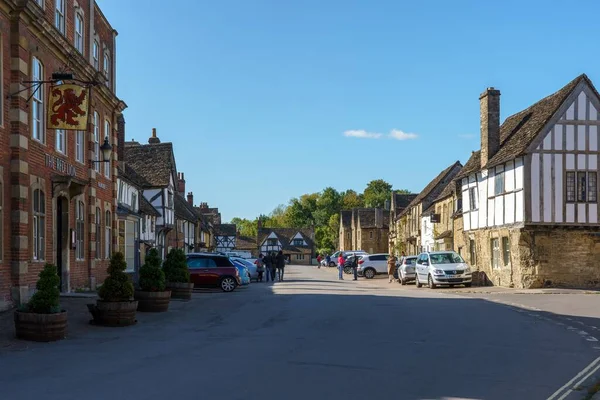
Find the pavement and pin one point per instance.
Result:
(315, 337)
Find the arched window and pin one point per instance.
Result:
(79, 230)
(107, 235)
(98, 233)
(39, 224)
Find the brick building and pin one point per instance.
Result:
(53, 198)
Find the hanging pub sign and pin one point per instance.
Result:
(68, 107)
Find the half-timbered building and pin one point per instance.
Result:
(530, 196)
(148, 215)
(297, 245)
(128, 217)
(225, 235)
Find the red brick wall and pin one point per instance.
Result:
(5, 271)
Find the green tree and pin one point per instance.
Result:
(377, 192)
(245, 226)
(46, 300)
(117, 286)
(351, 199)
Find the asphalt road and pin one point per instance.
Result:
(310, 337)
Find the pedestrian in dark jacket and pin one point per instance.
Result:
(280, 264)
(273, 266)
(268, 267)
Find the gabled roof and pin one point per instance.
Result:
(402, 200)
(225, 229)
(153, 163)
(519, 130)
(346, 218)
(147, 208)
(443, 177)
(285, 235)
(246, 243)
(183, 210)
(448, 191)
(472, 166)
(368, 218)
(128, 174)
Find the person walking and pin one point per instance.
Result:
(319, 259)
(391, 267)
(280, 263)
(260, 267)
(267, 262)
(341, 262)
(355, 267)
(328, 260)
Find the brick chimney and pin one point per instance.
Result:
(203, 205)
(180, 183)
(190, 199)
(154, 139)
(489, 112)
(121, 140)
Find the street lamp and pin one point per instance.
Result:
(106, 150)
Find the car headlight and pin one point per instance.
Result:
(438, 272)
(467, 270)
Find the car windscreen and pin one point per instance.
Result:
(446, 258)
(410, 261)
(222, 261)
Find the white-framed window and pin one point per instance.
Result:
(473, 198)
(582, 187)
(126, 242)
(134, 201)
(107, 134)
(79, 146)
(98, 233)
(37, 101)
(499, 183)
(39, 224)
(79, 230)
(107, 235)
(106, 67)
(79, 32)
(59, 15)
(96, 122)
(61, 141)
(495, 250)
(96, 55)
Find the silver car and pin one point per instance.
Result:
(252, 268)
(406, 269)
(442, 268)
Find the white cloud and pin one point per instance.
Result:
(399, 135)
(361, 133)
(467, 136)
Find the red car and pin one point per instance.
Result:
(213, 270)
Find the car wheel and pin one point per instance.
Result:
(227, 284)
(347, 270)
(369, 273)
(468, 284)
(417, 283)
(430, 283)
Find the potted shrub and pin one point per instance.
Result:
(42, 319)
(116, 306)
(152, 295)
(177, 275)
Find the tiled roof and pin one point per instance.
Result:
(183, 211)
(401, 200)
(225, 230)
(368, 218)
(435, 185)
(153, 163)
(519, 130)
(448, 191)
(472, 166)
(245, 243)
(285, 235)
(128, 174)
(346, 218)
(445, 234)
(147, 208)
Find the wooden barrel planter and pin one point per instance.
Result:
(41, 327)
(113, 313)
(153, 301)
(182, 291)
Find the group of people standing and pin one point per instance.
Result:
(391, 266)
(273, 264)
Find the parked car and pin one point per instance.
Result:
(248, 264)
(244, 272)
(442, 268)
(347, 253)
(348, 263)
(370, 265)
(213, 270)
(406, 269)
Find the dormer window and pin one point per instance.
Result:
(298, 242)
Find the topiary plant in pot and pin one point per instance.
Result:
(152, 295)
(42, 319)
(116, 306)
(178, 275)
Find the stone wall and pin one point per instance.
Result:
(374, 240)
(460, 246)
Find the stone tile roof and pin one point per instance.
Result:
(225, 230)
(147, 208)
(153, 163)
(446, 175)
(246, 243)
(346, 218)
(519, 130)
(402, 200)
(445, 234)
(183, 209)
(448, 191)
(285, 235)
(368, 218)
(128, 174)
(472, 166)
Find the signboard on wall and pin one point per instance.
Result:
(68, 107)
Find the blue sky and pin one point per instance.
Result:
(257, 96)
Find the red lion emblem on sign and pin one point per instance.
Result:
(67, 106)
